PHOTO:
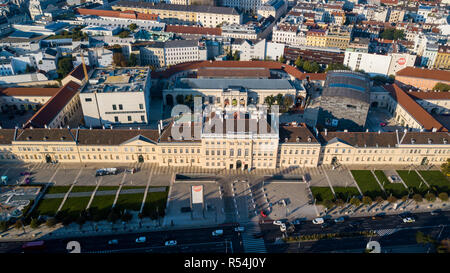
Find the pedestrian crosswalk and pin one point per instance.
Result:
(251, 244)
(386, 232)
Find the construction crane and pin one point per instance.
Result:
(84, 65)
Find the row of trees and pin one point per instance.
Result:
(120, 60)
(283, 101)
(393, 34)
(367, 200)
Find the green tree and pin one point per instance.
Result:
(270, 100)
(287, 102)
(236, 56)
(441, 87)
(51, 222)
(282, 59)
(34, 223)
(119, 59)
(279, 99)
(189, 100)
(133, 60)
(340, 202)
(417, 197)
(430, 197)
(18, 224)
(443, 196)
(336, 66)
(446, 167)
(3, 226)
(391, 199)
(124, 34)
(133, 27)
(299, 62)
(65, 65)
(367, 200)
(355, 201)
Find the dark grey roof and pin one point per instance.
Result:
(192, 8)
(234, 83)
(181, 43)
(348, 84)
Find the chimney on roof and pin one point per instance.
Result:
(434, 130)
(379, 131)
(90, 127)
(31, 127)
(326, 131)
(367, 130)
(430, 141)
(45, 126)
(297, 139)
(345, 131)
(405, 131)
(139, 128)
(131, 128)
(103, 127)
(444, 140)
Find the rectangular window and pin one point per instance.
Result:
(116, 119)
(114, 107)
(88, 99)
(142, 118)
(120, 107)
(141, 106)
(129, 118)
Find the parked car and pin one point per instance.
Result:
(101, 172)
(283, 228)
(339, 220)
(382, 124)
(170, 243)
(376, 218)
(277, 222)
(408, 220)
(318, 221)
(113, 242)
(239, 229)
(141, 239)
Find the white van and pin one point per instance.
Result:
(217, 232)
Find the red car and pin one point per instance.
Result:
(382, 124)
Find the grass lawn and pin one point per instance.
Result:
(82, 189)
(57, 189)
(130, 201)
(436, 179)
(154, 201)
(412, 180)
(47, 206)
(322, 193)
(367, 183)
(103, 203)
(107, 188)
(133, 187)
(346, 193)
(396, 189)
(74, 205)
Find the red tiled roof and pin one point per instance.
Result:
(267, 64)
(53, 106)
(439, 75)
(387, 2)
(429, 95)
(118, 14)
(414, 109)
(28, 91)
(194, 30)
(78, 72)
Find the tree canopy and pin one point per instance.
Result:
(441, 87)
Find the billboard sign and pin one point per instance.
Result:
(401, 61)
(197, 194)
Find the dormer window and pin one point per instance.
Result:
(297, 139)
(285, 139)
(430, 141)
(413, 141)
(445, 141)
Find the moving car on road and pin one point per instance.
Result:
(408, 220)
(435, 212)
(318, 221)
(113, 242)
(141, 239)
(339, 220)
(170, 243)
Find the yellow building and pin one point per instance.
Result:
(317, 38)
(442, 60)
(292, 146)
(207, 16)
